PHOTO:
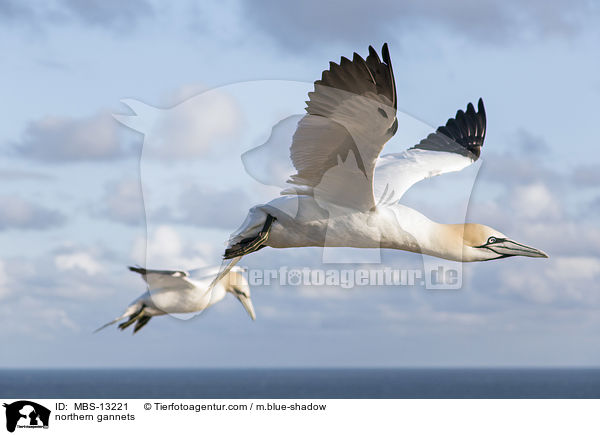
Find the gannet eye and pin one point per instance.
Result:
(492, 240)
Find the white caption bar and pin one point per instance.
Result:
(289, 416)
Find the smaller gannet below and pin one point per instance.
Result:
(173, 291)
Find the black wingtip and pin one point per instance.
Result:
(137, 269)
(388, 60)
(386, 53)
(464, 134)
(373, 52)
(480, 106)
(482, 116)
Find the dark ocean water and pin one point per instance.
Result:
(301, 383)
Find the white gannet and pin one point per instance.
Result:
(173, 291)
(346, 194)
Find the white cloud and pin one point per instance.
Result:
(585, 268)
(9, 174)
(561, 279)
(587, 175)
(165, 249)
(535, 201)
(183, 93)
(114, 14)
(123, 202)
(193, 128)
(69, 273)
(108, 14)
(484, 20)
(166, 240)
(16, 212)
(78, 260)
(578, 276)
(565, 237)
(206, 207)
(532, 286)
(56, 317)
(430, 316)
(34, 317)
(4, 289)
(62, 139)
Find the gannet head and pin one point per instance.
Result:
(485, 243)
(236, 284)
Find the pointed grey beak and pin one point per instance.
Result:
(509, 247)
(247, 303)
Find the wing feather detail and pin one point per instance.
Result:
(350, 114)
(450, 148)
(164, 279)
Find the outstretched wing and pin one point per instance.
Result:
(164, 279)
(451, 148)
(351, 115)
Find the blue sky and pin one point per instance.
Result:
(72, 215)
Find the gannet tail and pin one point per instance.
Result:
(235, 252)
(131, 310)
(226, 267)
(112, 322)
(250, 244)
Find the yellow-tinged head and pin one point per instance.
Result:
(483, 243)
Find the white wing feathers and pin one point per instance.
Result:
(451, 148)
(396, 173)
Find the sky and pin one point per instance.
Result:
(207, 81)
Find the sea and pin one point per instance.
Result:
(301, 383)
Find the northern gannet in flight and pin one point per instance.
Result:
(346, 194)
(173, 291)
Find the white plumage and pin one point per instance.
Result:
(176, 291)
(346, 194)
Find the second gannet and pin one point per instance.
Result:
(173, 291)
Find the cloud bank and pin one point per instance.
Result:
(300, 25)
(56, 139)
(17, 213)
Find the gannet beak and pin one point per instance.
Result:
(512, 248)
(247, 303)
